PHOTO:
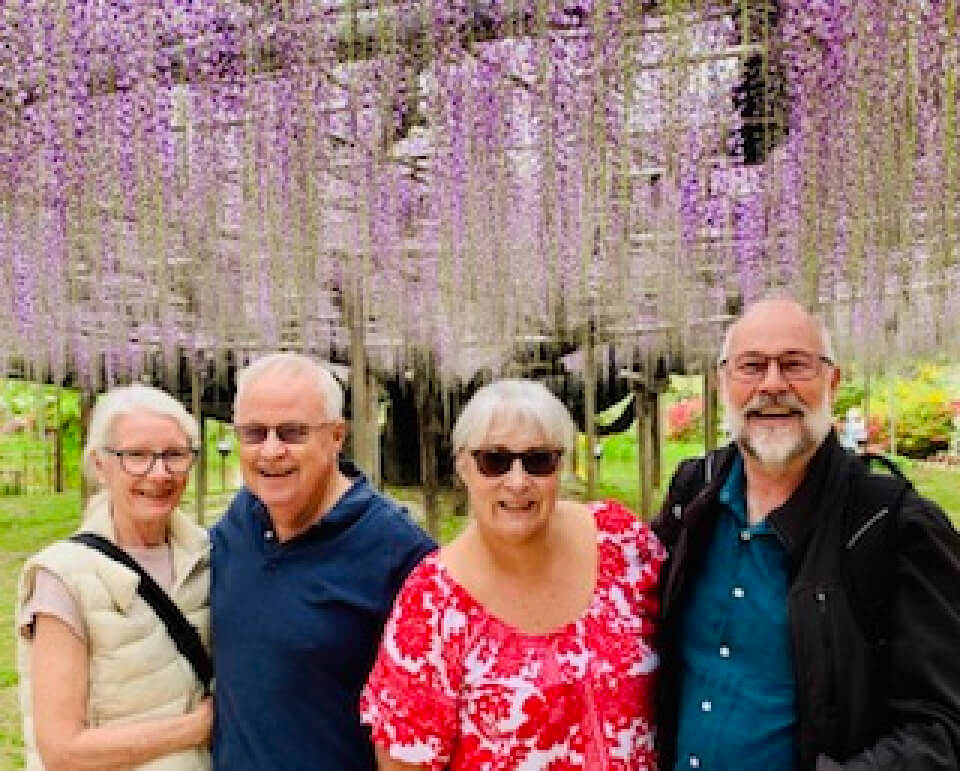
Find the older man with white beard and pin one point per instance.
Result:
(771, 658)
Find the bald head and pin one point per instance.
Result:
(777, 324)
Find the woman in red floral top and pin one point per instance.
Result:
(525, 643)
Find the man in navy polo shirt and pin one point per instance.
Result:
(305, 566)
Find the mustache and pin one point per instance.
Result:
(767, 401)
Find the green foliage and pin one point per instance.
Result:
(23, 399)
(684, 387)
(921, 411)
(919, 401)
(850, 393)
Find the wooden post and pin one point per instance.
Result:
(644, 496)
(426, 422)
(590, 410)
(200, 479)
(656, 439)
(86, 405)
(866, 403)
(223, 456)
(374, 471)
(709, 406)
(58, 446)
(359, 403)
(892, 408)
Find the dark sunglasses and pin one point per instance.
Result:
(497, 462)
(288, 433)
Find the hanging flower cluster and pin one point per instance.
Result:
(202, 178)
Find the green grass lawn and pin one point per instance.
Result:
(27, 523)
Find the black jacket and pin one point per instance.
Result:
(861, 703)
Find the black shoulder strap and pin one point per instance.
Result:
(688, 480)
(869, 459)
(691, 479)
(870, 548)
(183, 633)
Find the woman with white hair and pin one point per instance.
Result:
(526, 641)
(102, 683)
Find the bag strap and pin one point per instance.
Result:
(870, 548)
(869, 459)
(692, 479)
(182, 632)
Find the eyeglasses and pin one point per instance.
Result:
(536, 462)
(288, 433)
(139, 463)
(794, 366)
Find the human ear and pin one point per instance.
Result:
(99, 469)
(339, 432)
(459, 466)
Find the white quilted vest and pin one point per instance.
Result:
(135, 671)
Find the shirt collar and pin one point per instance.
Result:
(733, 492)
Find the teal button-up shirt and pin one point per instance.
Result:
(737, 707)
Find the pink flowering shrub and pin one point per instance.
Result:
(685, 420)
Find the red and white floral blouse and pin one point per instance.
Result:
(455, 687)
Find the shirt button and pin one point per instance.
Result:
(706, 706)
(694, 761)
(677, 510)
(724, 651)
(268, 535)
(745, 535)
(738, 592)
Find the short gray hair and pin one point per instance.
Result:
(127, 400)
(826, 340)
(523, 400)
(294, 364)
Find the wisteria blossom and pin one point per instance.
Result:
(188, 178)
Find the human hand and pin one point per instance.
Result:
(201, 721)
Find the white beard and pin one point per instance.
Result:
(776, 446)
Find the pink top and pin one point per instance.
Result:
(454, 685)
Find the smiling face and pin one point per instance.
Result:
(514, 506)
(292, 479)
(776, 421)
(142, 503)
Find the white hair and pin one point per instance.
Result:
(826, 341)
(293, 365)
(127, 400)
(520, 400)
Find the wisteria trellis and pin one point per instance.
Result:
(199, 176)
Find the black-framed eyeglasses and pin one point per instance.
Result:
(177, 460)
(538, 461)
(794, 366)
(292, 432)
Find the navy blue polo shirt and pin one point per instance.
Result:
(737, 696)
(296, 627)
